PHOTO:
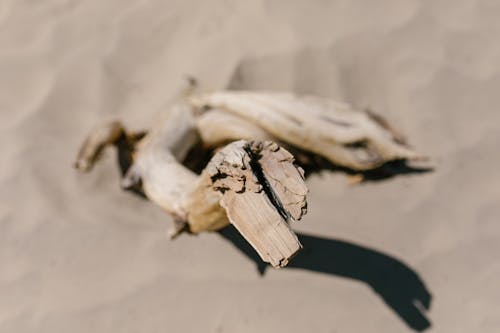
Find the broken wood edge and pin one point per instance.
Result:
(247, 177)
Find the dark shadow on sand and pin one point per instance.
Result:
(397, 284)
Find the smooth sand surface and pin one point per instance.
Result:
(79, 255)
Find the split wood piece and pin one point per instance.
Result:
(262, 191)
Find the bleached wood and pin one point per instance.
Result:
(219, 127)
(346, 137)
(96, 141)
(156, 165)
(165, 180)
(262, 191)
(252, 183)
(227, 191)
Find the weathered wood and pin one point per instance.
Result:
(164, 179)
(96, 141)
(284, 178)
(219, 127)
(349, 138)
(262, 192)
(252, 183)
(155, 166)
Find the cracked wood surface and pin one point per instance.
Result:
(262, 192)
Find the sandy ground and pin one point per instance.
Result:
(79, 255)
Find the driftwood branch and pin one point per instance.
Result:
(251, 181)
(349, 138)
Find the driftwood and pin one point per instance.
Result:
(251, 181)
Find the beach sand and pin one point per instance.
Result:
(412, 252)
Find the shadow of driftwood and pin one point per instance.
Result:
(314, 164)
(397, 284)
(393, 168)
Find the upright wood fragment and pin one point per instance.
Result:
(253, 180)
(285, 178)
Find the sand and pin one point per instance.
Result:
(79, 255)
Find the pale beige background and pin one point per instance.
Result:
(79, 255)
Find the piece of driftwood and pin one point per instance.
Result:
(348, 138)
(251, 181)
(260, 190)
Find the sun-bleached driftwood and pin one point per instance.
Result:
(348, 138)
(252, 184)
(251, 181)
(261, 191)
